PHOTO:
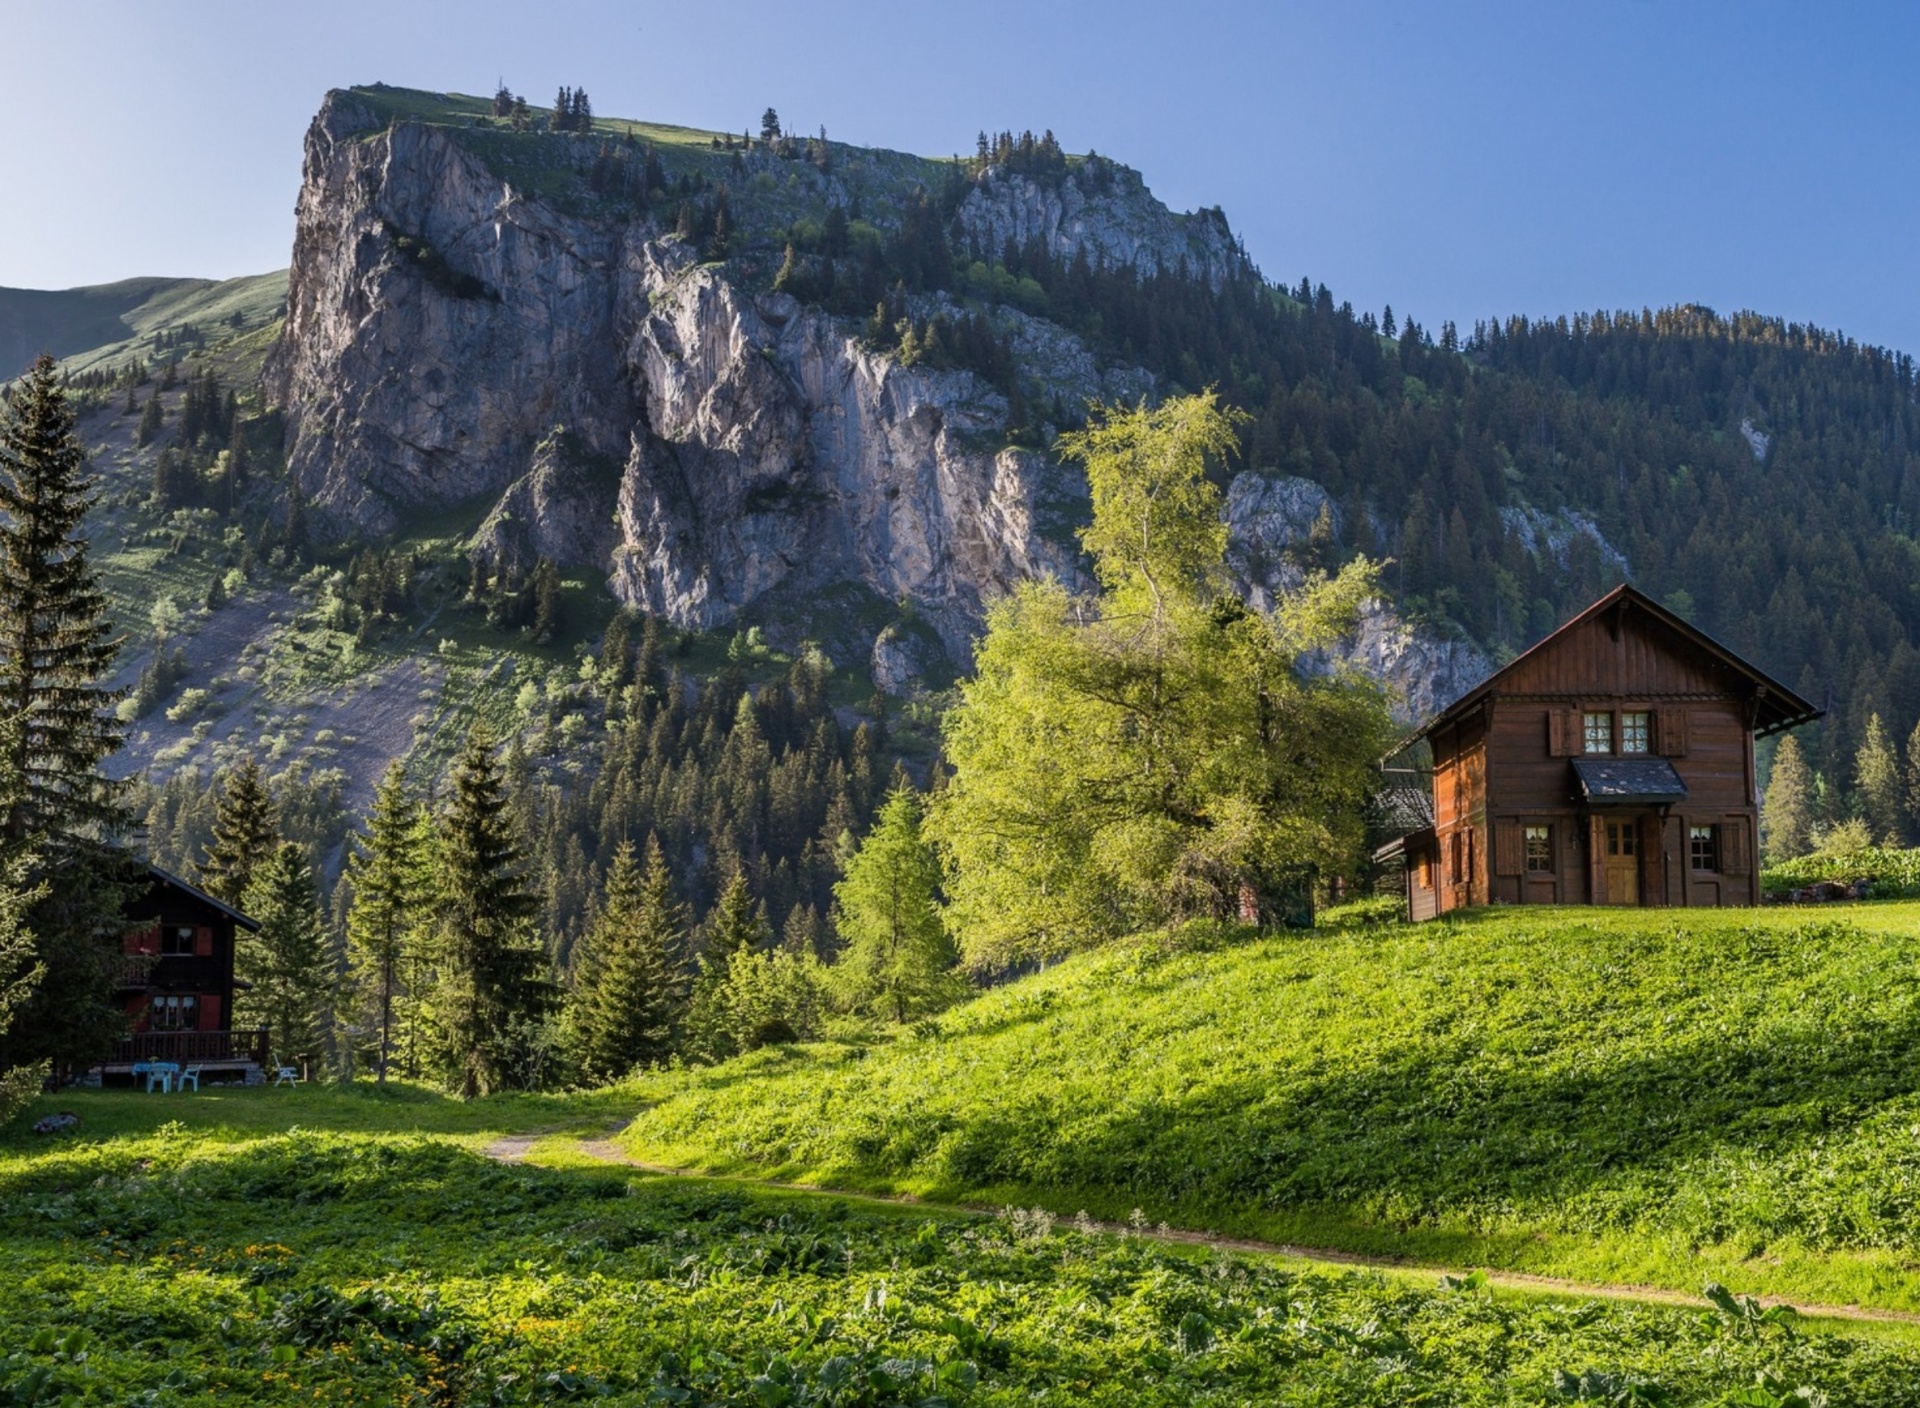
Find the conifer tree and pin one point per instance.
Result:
(737, 925)
(20, 974)
(897, 960)
(1787, 808)
(57, 806)
(1912, 777)
(1876, 773)
(285, 964)
(490, 975)
(152, 420)
(390, 885)
(628, 986)
(245, 834)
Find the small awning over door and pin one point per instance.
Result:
(1627, 782)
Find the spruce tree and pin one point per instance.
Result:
(390, 884)
(490, 965)
(57, 806)
(20, 974)
(244, 834)
(152, 420)
(1788, 807)
(736, 926)
(1912, 797)
(897, 961)
(289, 977)
(628, 987)
(1876, 773)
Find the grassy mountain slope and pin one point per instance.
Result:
(301, 1246)
(103, 325)
(1609, 1096)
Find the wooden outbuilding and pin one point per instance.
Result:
(175, 983)
(1611, 763)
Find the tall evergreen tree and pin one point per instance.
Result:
(244, 834)
(390, 885)
(1876, 773)
(57, 728)
(20, 973)
(628, 984)
(290, 979)
(897, 960)
(1787, 808)
(490, 976)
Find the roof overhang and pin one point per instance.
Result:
(168, 878)
(1776, 708)
(1627, 782)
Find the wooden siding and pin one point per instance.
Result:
(1506, 765)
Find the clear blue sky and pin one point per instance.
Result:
(1455, 160)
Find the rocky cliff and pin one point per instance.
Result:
(460, 333)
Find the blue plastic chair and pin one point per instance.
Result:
(158, 1073)
(191, 1073)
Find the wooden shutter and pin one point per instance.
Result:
(1565, 738)
(1670, 733)
(1733, 846)
(210, 1013)
(1509, 855)
(203, 942)
(1596, 860)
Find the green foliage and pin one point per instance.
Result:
(20, 972)
(490, 982)
(1570, 1092)
(1787, 810)
(59, 810)
(290, 980)
(629, 989)
(284, 1268)
(245, 834)
(896, 959)
(1893, 873)
(1158, 752)
(1876, 775)
(388, 924)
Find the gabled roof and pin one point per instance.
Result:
(1779, 707)
(167, 877)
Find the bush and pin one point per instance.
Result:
(1893, 873)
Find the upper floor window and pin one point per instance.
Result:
(1636, 733)
(1599, 732)
(177, 939)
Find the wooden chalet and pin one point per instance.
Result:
(1612, 763)
(176, 983)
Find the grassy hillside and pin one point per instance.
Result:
(352, 1247)
(105, 325)
(1610, 1096)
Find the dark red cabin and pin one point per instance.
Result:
(176, 981)
(1612, 763)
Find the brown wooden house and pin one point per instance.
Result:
(1612, 763)
(176, 982)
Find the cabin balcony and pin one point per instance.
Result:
(133, 972)
(235, 1050)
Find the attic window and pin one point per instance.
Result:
(1636, 733)
(1598, 732)
(177, 940)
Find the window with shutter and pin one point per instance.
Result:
(1508, 856)
(1733, 846)
(1670, 732)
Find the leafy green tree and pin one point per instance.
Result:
(391, 883)
(289, 974)
(1159, 751)
(1787, 809)
(629, 989)
(245, 834)
(1876, 774)
(491, 969)
(58, 808)
(898, 960)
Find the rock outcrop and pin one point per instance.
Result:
(441, 325)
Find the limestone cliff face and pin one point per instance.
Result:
(1111, 218)
(442, 327)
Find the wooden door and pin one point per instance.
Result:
(1623, 860)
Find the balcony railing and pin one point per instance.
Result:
(134, 971)
(186, 1047)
